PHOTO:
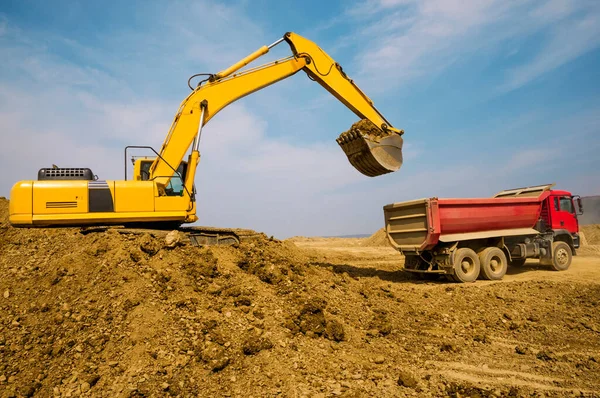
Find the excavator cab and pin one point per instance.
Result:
(141, 172)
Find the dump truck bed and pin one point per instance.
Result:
(420, 224)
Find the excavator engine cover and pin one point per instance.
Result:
(371, 150)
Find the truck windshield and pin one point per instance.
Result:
(566, 204)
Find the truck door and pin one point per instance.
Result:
(563, 214)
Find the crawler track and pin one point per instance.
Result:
(197, 236)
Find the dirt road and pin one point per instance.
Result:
(585, 267)
(517, 356)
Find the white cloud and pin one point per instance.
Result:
(529, 157)
(567, 42)
(406, 40)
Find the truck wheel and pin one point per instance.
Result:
(561, 256)
(518, 262)
(466, 265)
(493, 263)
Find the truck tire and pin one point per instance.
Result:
(518, 262)
(466, 265)
(561, 256)
(493, 264)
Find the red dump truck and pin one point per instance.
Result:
(467, 239)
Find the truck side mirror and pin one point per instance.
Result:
(579, 205)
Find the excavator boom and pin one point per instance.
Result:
(371, 154)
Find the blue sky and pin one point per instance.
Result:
(492, 94)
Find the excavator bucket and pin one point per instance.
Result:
(371, 150)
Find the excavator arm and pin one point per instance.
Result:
(371, 154)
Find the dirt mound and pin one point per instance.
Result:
(107, 314)
(379, 238)
(589, 250)
(591, 233)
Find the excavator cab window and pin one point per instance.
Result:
(145, 169)
(175, 186)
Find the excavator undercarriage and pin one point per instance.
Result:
(195, 236)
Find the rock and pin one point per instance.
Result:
(388, 383)
(165, 386)
(92, 379)
(544, 356)
(482, 338)
(219, 363)
(406, 379)
(129, 304)
(449, 347)
(85, 386)
(28, 390)
(334, 330)
(173, 239)
(6, 294)
(312, 322)
(380, 325)
(148, 245)
(254, 345)
(379, 359)
(2, 378)
(242, 301)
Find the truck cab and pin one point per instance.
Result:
(559, 212)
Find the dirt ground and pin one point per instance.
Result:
(103, 315)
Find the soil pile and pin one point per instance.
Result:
(589, 239)
(592, 233)
(106, 314)
(379, 238)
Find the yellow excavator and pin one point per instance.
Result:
(162, 191)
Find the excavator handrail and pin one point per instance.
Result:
(141, 147)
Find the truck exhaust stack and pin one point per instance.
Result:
(371, 150)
